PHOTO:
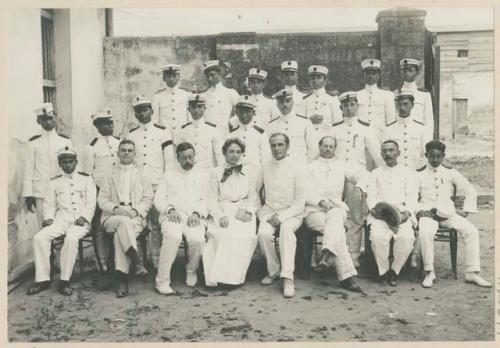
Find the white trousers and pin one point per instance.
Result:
(172, 238)
(287, 245)
(381, 235)
(427, 230)
(355, 218)
(331, 225)
(125, 231)
(69, 251)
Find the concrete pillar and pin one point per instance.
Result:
(401, 35)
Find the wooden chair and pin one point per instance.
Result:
(141, 238)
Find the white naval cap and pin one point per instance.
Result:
(348, 95)
(245, 101)
(211, 64)
(196, 98)
(408, 62)
(317, 69)
(257, 73)
(171, 68)
(66, 152)
(404, 93)
(283, 94)
(370, 63)
(45, 110)
(101, 114)
(140, 100)
(289, 65)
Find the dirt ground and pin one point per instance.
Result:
(320, 310)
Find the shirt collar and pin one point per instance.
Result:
(281, 161)
(291, 88)
(69, 176)
(405, 120)
(409, 85)
(318, 92)
(126, 167)
(171, 89)
(217, 87)
(371, 88)
(146, 125)
(199, 121)
(350, 120)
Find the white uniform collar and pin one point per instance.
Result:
(409, 85)
(290, 114)
(350, 120)
(199, 121)
(282, 161)
(69, 176)
(371, 88)
(171, 89)
(126, 167)
(405, 120)
(327, 161)
(218, 86)
(258, 96)
(291, 88)
(49, 133)
(318, 92)
(146, 125)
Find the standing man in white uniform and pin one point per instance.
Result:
(376, 106)
(283, 184)
(220, 99)
(41, 160)
(320, 107)
(298, 128)
(290, 77)
(169, 103)
(423, 109)
(436, 184)
(68, 209)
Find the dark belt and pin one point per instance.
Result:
(123, 203)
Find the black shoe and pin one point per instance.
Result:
(392, 278)
(121, 289)
(64, 288)
(350, 285)
(38, 287)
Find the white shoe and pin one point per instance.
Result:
(268, 280)
(191, 279)
(165, 289)
(429, 279)
(288, 288)
(475, 278)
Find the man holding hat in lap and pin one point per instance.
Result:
(436, 209)
(392, 199)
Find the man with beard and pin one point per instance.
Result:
(181, 201)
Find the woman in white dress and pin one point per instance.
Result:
(231, 231)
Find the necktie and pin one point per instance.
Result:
(228, 171)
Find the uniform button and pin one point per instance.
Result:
(404, 133)
(405, 149)
(144, 155)
(348, 132)
(144, 145)
(347, 140)
(244, 155)
(173, 100)
(112, 155)
(316, 128)
(114, 163)
(145, 138)
(369, 104)
(173, 127)
(406, 157)
(369, 112)
(72, 202)
(72, 193)
(404, 141)
(286, 129)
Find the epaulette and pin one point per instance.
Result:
(84, 174)
(333, 94)
(35, 137)
(55, 177)
(393, 122)
(418, 122)
(158, 126)
(133, 129)
(63, 136)
(301, 116)
(160, 90)
(307, 95)
(421, 169)
(232, 128)
(184, 89)
(364, 123)
(92, 143)
(166, 143)
(423, 90)
(274, 119)
(336, 124)
(184, 125)
(446, 166)
(117, 138)
(258, 129)
(210, 124)
(265, 96)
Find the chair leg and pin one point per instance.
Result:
(97, 255)
(52, 259)
(453, 253)
(144, 251)
(80, 257)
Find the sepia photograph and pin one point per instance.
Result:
(250, 174)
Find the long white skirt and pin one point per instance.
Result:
(228, 251)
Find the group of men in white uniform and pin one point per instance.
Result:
(315, 154)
